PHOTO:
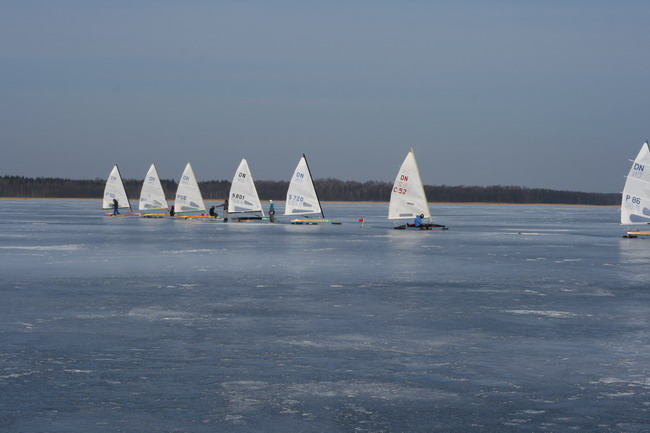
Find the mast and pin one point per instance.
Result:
(125, 193)
(314, 185)
(417, 170)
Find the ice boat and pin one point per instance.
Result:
(114, 190)
(153, 203)
(188, 202)
(302, 198)
(636, 194)
(407, 198)
(244, 203)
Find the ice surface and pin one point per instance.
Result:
(519, 318)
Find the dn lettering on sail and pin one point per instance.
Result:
(241, 177)
(401, 184)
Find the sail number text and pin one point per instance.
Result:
(632, 200)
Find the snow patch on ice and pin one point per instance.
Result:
(27, 325)
(613, 380)
(16, 375)
(69, 247)
(364, 342)
(246, 396)
(547, 313)
(197, 250)
(158, 314)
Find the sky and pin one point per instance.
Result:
(550, 94)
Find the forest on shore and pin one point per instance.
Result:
(328, 190)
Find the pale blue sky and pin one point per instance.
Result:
(548, 94)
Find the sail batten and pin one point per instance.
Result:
(645, 181)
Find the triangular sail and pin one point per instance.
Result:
(407, 199)
(188, 195)
(243, 194)
(114, 189)
(635, 203)
(301, 195)
(152, 196)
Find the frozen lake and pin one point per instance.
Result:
(518, 318)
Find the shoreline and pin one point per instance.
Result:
(481, 203)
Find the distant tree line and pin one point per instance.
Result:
(328, 190)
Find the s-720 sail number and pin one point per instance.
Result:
(296, 198)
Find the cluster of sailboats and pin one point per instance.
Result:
(188, 201)
(408, 199)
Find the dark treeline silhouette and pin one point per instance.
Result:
(328, 190)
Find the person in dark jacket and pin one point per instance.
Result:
(225, 210)
(115, 206)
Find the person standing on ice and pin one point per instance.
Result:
(225, 210)
(115, 206)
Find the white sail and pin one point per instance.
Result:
(407, 199)
(243, 194)
(114, 189)
(152, 196)
(635, 203)
(188, 195)
(301, 195)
